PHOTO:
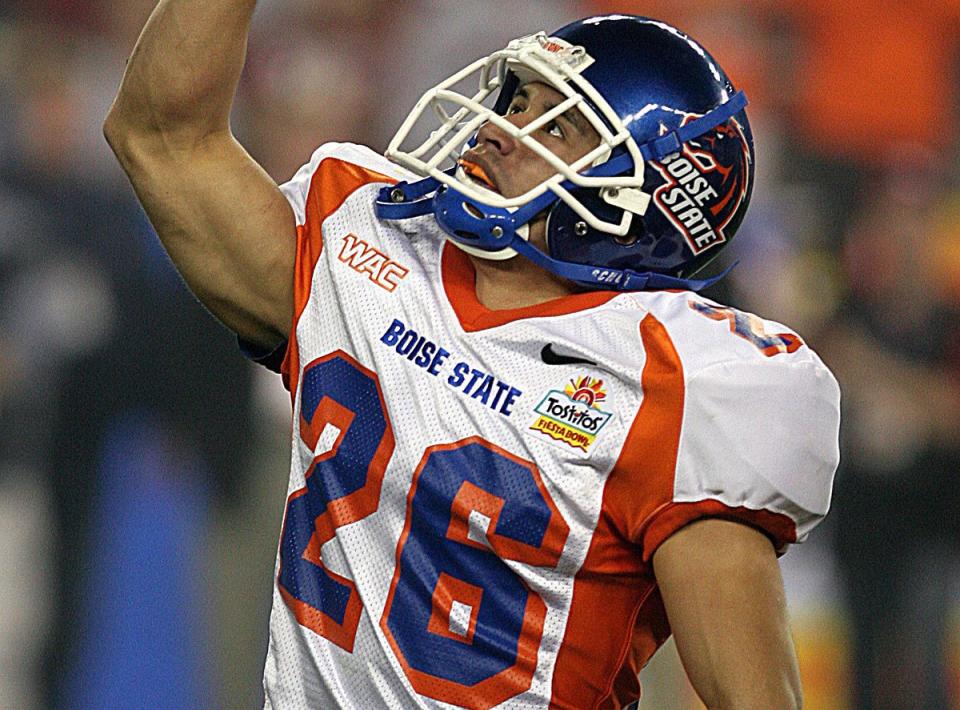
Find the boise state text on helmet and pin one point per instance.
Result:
(705, 184)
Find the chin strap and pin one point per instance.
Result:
(426, 199)
(406, 199)
(614, 279)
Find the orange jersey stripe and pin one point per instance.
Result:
(332, 183)
(597, 667)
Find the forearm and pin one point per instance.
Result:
(724, 597)
(183, 73)
(739, 668)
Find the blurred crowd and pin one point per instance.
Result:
(142, 460)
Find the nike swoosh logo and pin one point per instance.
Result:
(552, 358)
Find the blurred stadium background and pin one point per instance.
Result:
(143, 461)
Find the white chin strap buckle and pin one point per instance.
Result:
(630, 199)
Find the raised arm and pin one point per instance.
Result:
(723, 593)
(222, 219)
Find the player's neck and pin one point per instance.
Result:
(516, 283)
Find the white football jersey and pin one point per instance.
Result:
(475, 495)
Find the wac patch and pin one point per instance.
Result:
(371, 262)
(573, 415)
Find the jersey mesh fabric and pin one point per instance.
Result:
(603, 541)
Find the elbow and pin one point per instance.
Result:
(118, 138)
(135, 147)
(120, 131)
(134, 139)
(113, 129)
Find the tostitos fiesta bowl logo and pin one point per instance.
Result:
(573, 416)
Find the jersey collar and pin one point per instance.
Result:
(459, 284)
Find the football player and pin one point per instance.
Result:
(524, 450)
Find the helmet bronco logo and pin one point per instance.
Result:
(704, 184)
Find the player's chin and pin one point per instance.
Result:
(510, 186)
(514, 185)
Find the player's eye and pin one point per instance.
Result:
(514, 108)
(553, 128)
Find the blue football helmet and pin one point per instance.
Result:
(653, 203)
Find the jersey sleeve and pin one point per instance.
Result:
(317, 189)
(758, 443)
(332, 174)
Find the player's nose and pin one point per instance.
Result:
(497, 138)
